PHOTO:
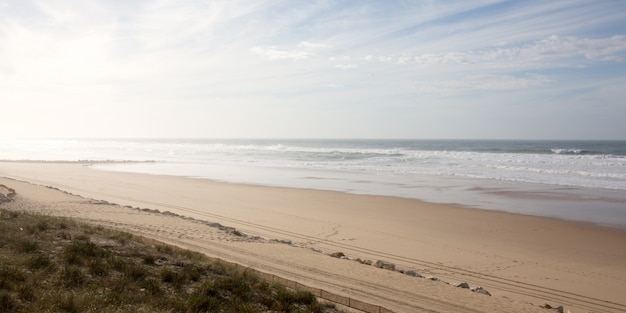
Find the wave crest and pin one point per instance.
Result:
(568, 151)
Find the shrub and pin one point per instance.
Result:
(165, 249)
(192, 255)
(148, 259)
(170, 276)
(193, 272)
(98, 268)
(72, 273)
(209, 289)
(73, 276)
(173, 277)
(10, 277)
(203, 303)
(167, 275)
(122, 238)
(69, 303)
(38, 262)
(26, 292)
(304, 297)
(236, 285)
(152, 286)
(27, 246)
(217, 268)
(8, 215)
(65, 235)
(43, 225)
(79, 251)
(285, 299)
(135, 271)
(7, 303)
(119, 264)
(82, 237)
(120, 291)
(242, 307)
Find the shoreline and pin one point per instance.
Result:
(555, 201)
(507, 253)
(509, 192)
(525, 193)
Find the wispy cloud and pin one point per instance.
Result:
(603, 49)
(273, 53)
(168, 55)
(563, 51)
(303, 51)
(346, 66)
(313, 46)
(482, 83)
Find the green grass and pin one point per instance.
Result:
(52, 264)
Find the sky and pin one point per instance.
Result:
(474, 69)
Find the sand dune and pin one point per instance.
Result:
(523, 261)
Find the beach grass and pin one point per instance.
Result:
(52, 264)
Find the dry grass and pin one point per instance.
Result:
(52, 264)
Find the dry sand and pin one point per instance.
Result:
(524, 261)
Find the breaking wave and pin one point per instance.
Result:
(584, 164)
(569, 151)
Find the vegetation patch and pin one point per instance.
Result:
(57, 265)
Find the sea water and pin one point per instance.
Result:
(578, 180)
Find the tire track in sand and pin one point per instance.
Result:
(487, 280)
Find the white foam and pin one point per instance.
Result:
(563, 167)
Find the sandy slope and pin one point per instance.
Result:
(519, 259)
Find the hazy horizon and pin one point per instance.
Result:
(37, 138)
(473, 70)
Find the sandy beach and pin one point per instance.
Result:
(523, 261)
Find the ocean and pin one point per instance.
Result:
(577, 180)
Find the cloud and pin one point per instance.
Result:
(273, 53)
(170, 56)
(380, 58)
(346, 66)
(483, 83)
(312, 46)
(304, 50)
(603, 49)
(564, 51)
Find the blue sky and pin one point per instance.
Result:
(323, 69)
